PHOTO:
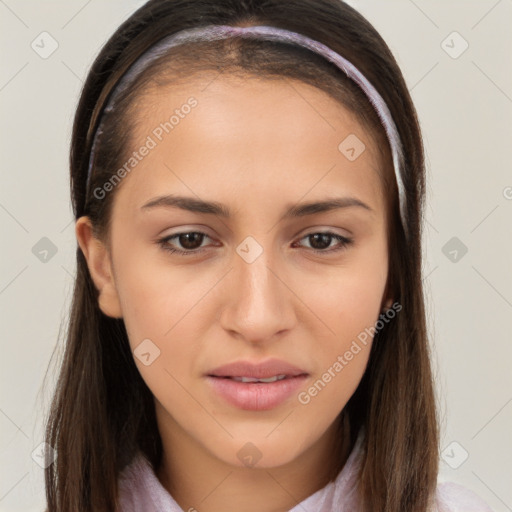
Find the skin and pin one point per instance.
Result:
(257, 147)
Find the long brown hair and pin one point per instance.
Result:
(102, 412)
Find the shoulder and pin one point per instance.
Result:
(453, 497)
(139, 489)
(131, 485)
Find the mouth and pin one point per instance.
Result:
(273, 369)
(249, 380)
(256, 387)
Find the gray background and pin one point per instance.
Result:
(464, 100)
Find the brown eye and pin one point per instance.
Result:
(320, 242)
(190, 242)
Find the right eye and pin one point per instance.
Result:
(186, 239)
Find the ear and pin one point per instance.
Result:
(387, 301)
(387, 304)
(98, 260)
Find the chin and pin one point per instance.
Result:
(260, 452)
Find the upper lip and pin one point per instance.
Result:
(262, 370)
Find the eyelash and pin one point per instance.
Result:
(164, 243)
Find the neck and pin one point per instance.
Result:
(198, 480)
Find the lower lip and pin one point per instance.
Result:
(256, 396)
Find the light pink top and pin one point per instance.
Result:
(140, 490)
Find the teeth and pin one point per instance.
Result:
(252, 379)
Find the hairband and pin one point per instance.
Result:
(215, 32)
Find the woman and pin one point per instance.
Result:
(248, 328)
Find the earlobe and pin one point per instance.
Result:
(386, 305)
(387, 300)
(98, 261)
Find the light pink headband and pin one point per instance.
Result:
(215, 32)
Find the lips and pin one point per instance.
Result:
(264, 370)
(256, 386)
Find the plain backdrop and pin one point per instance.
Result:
(456, 58)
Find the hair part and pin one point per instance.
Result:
(102, 411)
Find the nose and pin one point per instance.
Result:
(260, 303)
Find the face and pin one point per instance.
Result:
(267, 280)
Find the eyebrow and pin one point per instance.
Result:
(214, 208)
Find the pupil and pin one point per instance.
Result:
(323, 237)
(185, 240)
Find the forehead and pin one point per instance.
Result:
(250, 135)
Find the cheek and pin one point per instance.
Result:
(155, 297)
(160, 307)
(165, 311)
(347, 299)
(348, 308)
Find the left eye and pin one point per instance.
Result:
(324, 239)
(191, 242)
